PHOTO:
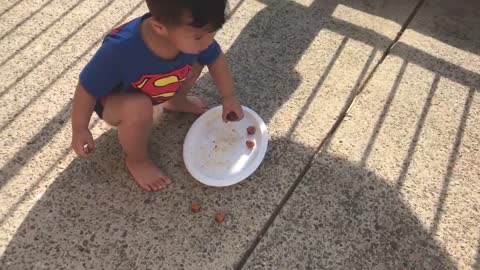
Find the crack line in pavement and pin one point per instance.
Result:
(325, 141)
(232, 11)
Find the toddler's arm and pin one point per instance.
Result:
(220, 73)
(83, 106)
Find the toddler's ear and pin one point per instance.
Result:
(158, 27)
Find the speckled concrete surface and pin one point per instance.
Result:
(344, 216)
(297, 63)
(398, 185)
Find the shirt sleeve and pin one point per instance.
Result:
(102, 74)
(211, 54)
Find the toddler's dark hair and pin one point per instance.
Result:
(210, 13)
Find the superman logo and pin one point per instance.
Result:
(161, 87)
(116, 30)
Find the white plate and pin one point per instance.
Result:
(215, 152)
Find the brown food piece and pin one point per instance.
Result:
(251, 130)
(250, 144)
(196, 207)
(231, 116)
(219, 217)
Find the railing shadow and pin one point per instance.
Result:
(94, 216)
(85, 199)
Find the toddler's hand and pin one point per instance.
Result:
(82, 142)
(232, 110)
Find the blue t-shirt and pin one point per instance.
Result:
(125, 64)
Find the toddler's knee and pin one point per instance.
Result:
(138, 108)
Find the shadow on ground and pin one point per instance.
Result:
(343, 216)
(93, 216)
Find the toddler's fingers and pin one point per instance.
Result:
(225, 115)
(87, 149)
(240, 114)
(80, 151)
(231, 116)
(90, 144)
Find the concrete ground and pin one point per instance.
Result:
(373, 110)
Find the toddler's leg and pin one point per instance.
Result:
(132, 115)
(182, 102)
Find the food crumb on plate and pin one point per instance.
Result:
(250, 144)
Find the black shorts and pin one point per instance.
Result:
(99, 105)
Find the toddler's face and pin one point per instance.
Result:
(189, 39)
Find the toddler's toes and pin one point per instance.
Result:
(144, 186)
(154, 187)
(150, 187)
(166, 180)
(159, 184)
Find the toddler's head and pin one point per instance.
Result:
(189, 24)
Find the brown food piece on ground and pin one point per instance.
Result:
(251, 130)
(196, 207)
(219, 217)
(250, 144)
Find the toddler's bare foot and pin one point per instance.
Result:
(188, 104)
(148, 175)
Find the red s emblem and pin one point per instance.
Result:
(116, 30)
(161, 87)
